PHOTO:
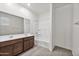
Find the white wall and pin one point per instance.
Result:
(63, 26)
(75, 29)
(15, 9)
(22, 12)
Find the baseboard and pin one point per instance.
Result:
(75, 52)
(42, 43)
(63, 47)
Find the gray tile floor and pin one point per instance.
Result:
(40, 51)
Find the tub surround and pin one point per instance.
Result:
(12, 45)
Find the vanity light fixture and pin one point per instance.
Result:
(28, 4)
(9, 4)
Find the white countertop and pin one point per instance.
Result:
(12, 37)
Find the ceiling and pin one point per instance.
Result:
(41, 8)
(57, 5)
(38, 8)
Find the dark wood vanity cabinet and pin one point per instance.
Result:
(31, 42)
(28, 42)
(6, 50)
(16, 46)
(26, 45)
(12, 47)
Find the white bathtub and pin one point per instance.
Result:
(12, 37)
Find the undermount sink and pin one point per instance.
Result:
(11, 36)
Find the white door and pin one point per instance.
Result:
(63, 21)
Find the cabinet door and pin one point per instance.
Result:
(31, 43)
(28, 42)
(26, 45)
(6, 50)
(18, 48)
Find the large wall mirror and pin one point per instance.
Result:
(11, 24)
(27, 25)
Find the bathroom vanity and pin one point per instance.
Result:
(16, 46)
